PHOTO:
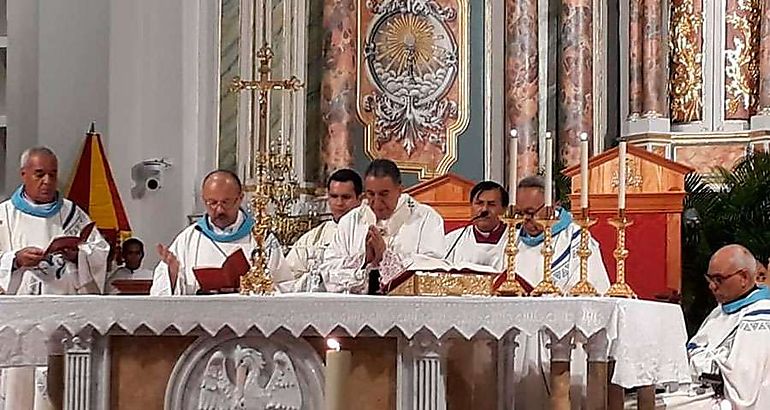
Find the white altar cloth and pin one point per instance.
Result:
(647, 339)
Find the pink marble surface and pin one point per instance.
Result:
(575, 78)
(521, 81)
(635, 93)
(338, 84)
(705, 157)
(654, 60)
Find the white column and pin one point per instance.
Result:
(421, 373)
(77, 373)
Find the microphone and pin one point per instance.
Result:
(482, 214)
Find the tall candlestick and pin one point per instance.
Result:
(583, 170)
(337, 372)
(622, 175)
(513, 153)
(548, 170)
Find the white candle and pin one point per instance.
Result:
(548, 170)
(622, 175)
(513, 164)
(583, 170)
(338, 364)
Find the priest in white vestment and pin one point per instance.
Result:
(343, 193)
(482, 242)
(29, 221)
(207, 243)
(382, 237)
(733, 343)
(132, 252)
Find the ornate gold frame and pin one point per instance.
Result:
(463, 96)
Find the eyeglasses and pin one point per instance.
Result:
(718, 279)
(225, 203)
(531, 214)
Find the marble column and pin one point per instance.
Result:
(654, 60)
(635, 81)
(521, 81)
(561, 354)
(575, 78)
(764, 59)
(742, 32)
(338, 85)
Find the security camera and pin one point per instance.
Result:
(148, 176)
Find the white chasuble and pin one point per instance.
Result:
(413, 229)
(54, 275)
(193, 249)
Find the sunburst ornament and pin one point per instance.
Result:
(407, 42)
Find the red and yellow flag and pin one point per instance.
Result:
(93, 189)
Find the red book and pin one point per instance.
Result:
(61, 243)
(226, 277)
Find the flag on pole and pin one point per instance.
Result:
(94, 190)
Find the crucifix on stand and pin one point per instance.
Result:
(256, 280)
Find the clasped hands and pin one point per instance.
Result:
(375, 246)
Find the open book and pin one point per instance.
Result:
(226, 277)
(60, 243)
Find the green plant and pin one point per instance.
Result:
(732, 208)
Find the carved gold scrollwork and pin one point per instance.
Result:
(741, 62)
(686, 62)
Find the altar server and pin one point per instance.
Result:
(484, 240)
(382, 237)
(343, 193)
(35, 215)
(207, 243)
(733, 343)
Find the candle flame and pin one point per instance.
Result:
(514, 133)
(548, 135)
(333, 344)
(583, 136)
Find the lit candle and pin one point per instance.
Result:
(583, 170)
(337, 371)
(622, 175)
(514, 163)
(548, 170)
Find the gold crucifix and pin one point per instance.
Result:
(260, 93)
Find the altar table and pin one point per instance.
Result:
(414, 353)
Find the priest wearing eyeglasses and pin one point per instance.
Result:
(224, 229)
(731, 350)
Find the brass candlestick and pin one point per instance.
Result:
(511, 287)
(546, 286)
(620, 289)
(584, 287)
(257, 281)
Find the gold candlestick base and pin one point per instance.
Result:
(257, 281)
(584, 287)
(547, 286)
(511, 287)
(620, 289)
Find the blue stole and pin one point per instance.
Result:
(565, 218)
(761, 293)
(20, 201)
(243, 230)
